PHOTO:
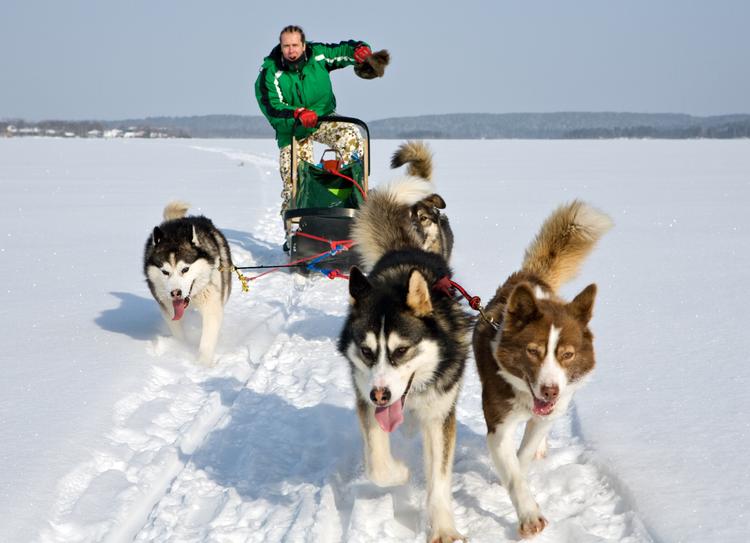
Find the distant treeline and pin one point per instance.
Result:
(581, 125)
(88, 129)
(211, 126)
(573, 125)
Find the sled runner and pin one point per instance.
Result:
(325, 197)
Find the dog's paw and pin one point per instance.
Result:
(393, 473)
(531, 525)
(446, 536)
(206, 359)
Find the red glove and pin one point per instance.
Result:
(361, 53)
(307, 117)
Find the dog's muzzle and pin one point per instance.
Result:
(391, 416)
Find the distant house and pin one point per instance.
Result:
(94, 134)
(113, 133)
(50, 132)
(70, 134)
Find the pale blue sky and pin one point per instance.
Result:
(87, 59)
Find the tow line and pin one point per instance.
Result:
(309, 262)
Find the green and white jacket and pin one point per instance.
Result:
(283, 87)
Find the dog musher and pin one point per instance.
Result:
(295, 83)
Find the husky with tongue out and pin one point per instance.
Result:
(539, 351)
(187, 263)
(406, 341)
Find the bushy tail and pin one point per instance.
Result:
(175, 210)
(565, 239)
(417, 155)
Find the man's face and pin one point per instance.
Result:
(292, 45)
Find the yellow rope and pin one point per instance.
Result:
(242, 278)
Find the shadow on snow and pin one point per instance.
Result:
(272, 450)
(264, 252)
(136, 316)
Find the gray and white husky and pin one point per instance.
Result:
(407, 344)
(411, 209)
(187, 261)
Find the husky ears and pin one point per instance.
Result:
(359, 285)
(521, 308)
(582, 305)
(157, 236)
(418, 296)
(435, 200)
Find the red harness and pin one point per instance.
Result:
(448, 287)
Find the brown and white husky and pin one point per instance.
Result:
(541, 351)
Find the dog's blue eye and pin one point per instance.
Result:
(185, 269)
(367, 353)
(165, 272)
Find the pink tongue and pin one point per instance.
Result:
(179, 305)
(390, 417)
(542, 408)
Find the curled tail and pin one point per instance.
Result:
(175, 210)
(565, 239)
(417, 155)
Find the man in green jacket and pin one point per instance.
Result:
(295, 83)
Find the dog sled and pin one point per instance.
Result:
(325, 197)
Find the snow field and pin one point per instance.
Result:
(111, 432)
(265, 446)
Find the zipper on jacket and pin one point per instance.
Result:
(298, 88)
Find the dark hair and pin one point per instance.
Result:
(293, 28)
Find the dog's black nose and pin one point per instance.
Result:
(380, 396)
(550, 392)
(176, 293)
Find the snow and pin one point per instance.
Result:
(110, 431)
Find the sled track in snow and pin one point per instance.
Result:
(157, 430)
(265, 446)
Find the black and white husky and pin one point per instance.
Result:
(187, 261)
(407, 344)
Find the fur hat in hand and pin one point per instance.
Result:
(374, 65)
